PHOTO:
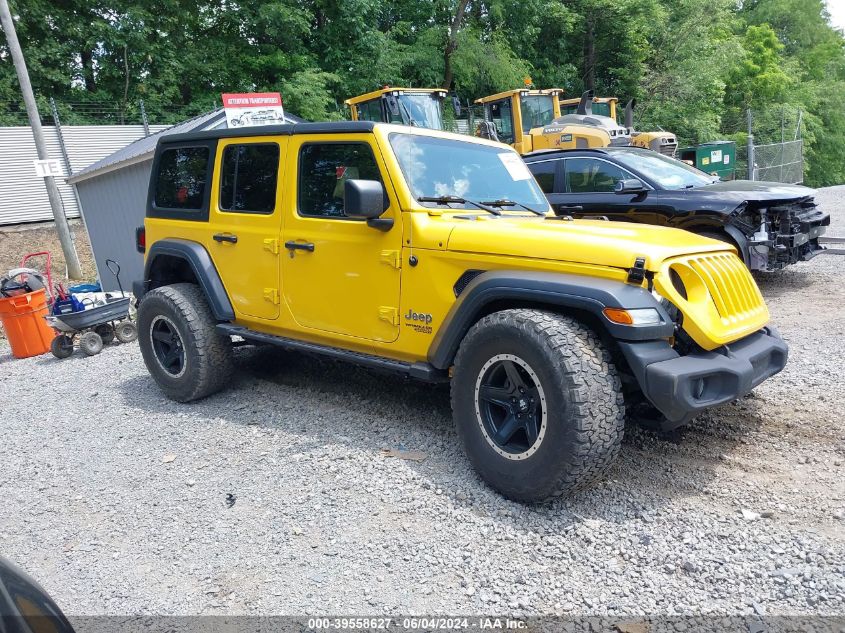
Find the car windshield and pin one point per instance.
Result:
(421, 110)
(668, 172)
(537, 111)
(442, 167)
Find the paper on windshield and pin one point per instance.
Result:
(516, 168)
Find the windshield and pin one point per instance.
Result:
(667, 172)
(537, 111)
(601, 109)
(436, 167)
(421, 111)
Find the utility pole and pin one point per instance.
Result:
(62, 228)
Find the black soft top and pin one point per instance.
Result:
(337, 127)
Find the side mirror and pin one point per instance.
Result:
(365, 199)
(629, 186)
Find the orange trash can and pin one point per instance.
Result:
(23, 320)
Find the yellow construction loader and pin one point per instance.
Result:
(663, 142)
(531, 120)
(420, 107)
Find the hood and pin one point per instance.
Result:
(593, 120)
(615, 244)
(753, 191)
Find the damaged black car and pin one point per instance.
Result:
(771, 224)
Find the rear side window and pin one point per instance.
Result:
(248, 177)
(182, 178)
(324, 169)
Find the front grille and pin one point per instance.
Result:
(717, 296)
(669, 149)
(730, 285)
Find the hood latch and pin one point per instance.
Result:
(637, 273)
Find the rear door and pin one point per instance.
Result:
(245, 218)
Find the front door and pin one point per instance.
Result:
(245, 213)
(340, 275)
(586, 189)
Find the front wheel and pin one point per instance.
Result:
(537, 404)
(182, 348)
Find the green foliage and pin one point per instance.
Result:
(695, 66)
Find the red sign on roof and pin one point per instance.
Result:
(252, 100)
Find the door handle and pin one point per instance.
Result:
(571, 207)
(299, 246)
(226, 237)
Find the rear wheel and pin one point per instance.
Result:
(537, 404)
(106, 332)
(182, 348)
(126, 331)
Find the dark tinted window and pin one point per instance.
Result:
(544, 174)
(587, 175)
(248, 175)
(182, 177)
(324, 169)
(370, 110)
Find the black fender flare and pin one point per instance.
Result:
(203, 268)
(553, 290)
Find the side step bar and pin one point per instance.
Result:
(420, 371)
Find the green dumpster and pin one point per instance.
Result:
(717, 158)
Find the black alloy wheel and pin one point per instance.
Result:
(511, 406)
(167, 345)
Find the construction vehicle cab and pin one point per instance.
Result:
(663, 142)
(419, 107)
(530, 120)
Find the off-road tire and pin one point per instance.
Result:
(126, 332)
(207, 363)
(90, 343)
(583, 394)
(106, 332)
(62, 346)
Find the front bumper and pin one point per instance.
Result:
(681, 386)
(794, 238)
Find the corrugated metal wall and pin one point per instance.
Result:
(114, 205)
(23, 197)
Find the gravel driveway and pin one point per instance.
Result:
(275, 497)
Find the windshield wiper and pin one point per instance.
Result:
(459, 200)
(504, 202)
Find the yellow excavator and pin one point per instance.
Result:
(421, 107)
(531, 120)
(663, 142)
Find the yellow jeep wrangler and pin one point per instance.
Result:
(437, 256)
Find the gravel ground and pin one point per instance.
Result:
(275, 497)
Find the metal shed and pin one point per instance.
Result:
(113, 195)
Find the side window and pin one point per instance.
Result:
(544, 174)
(501, 114)
(248, 176)
(324, 169)
(370, 110)
(587, 175)
(181, 179)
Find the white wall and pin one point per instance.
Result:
(23, 197)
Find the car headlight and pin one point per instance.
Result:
(638, 316)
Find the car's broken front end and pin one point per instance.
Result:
(781, 233)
